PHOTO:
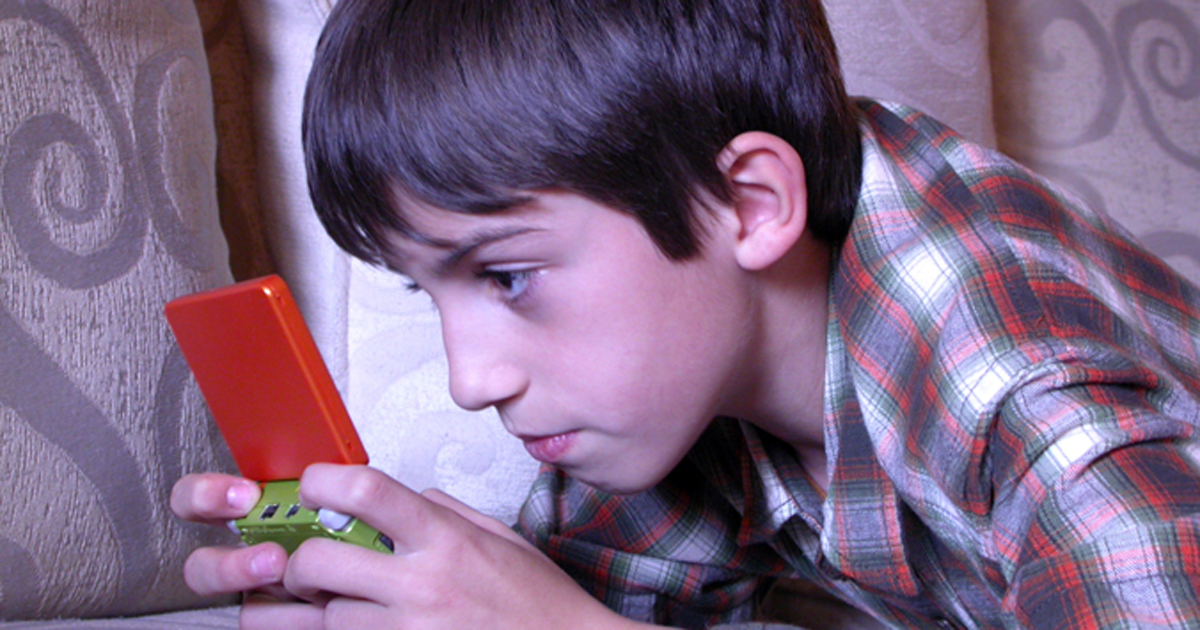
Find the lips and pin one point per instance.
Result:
(551, 448)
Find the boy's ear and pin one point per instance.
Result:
(771, 197)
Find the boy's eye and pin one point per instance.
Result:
(513, 283)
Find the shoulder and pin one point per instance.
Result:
(965, 275)
(939, 213)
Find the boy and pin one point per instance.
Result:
(941, 391)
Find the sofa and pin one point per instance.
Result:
(150, 149)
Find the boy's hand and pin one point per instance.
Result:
(215, 499)
(452, 567)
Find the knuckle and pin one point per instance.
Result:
(366, 489)
(209, 497)
(192, 572)
(192, 496)
(428, 595)
(338, 613)
(202, 572)
(301, 564)
(434, 494)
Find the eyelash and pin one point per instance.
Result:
(505, 279)
(501, 279)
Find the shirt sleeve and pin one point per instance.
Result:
(1098, 507)
(665, 556)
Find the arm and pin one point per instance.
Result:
(1118, 545)
(453, 567)
(1108, 501)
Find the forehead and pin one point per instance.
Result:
(453, 234)
(434, 238)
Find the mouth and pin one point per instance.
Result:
(549, 449)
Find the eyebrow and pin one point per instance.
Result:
(458, 250)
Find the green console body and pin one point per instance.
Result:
(279, 517)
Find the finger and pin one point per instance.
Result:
(405, 516)
(213, 497)
(471, 514)
(321, 566)
(261, 611)
(345, 612)
(274, 592)
(220, 570)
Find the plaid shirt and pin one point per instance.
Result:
(1012, 391)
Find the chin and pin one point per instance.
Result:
(618, 489)
(620, 485)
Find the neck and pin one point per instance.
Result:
(786, 398)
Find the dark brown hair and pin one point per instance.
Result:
(468, 105)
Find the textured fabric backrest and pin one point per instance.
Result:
(928, 54)
(1104, 98)
(107, 211)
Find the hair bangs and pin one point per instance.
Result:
(471, 105)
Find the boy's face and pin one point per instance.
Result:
(607, 359)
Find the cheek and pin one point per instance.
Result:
(607, 354)
(657, 346)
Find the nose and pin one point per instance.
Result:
(483, 369)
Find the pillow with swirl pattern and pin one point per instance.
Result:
(108, 200)
(1103, 97)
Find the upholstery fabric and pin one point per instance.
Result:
(225, 618)
(929, 55)
(108, 210)
(1104, 98)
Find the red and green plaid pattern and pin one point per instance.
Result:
(1012, 392)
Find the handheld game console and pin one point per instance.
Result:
(279, 517)
(275, 404)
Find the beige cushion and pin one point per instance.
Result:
(225, 618)
(928, 54)
(106, 182)
(1104, 98)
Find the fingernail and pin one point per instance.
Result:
(240, 497)
(263, 566)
